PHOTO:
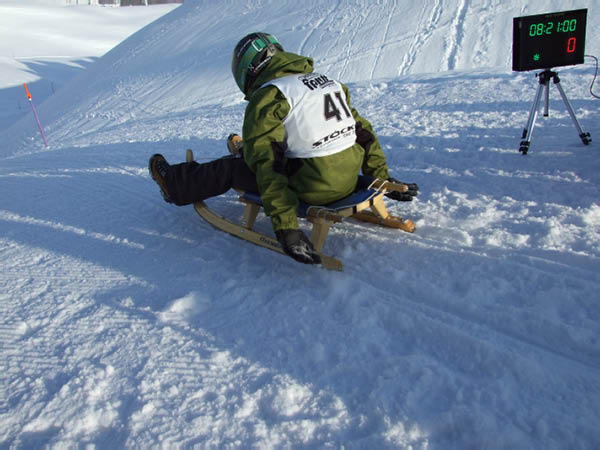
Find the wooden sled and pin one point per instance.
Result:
(369, 195)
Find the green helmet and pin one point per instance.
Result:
(250, 57)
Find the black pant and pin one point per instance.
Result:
(192, 182)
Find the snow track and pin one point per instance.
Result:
(386, 33)
(129, 322)
(421, 35)
(453, 44)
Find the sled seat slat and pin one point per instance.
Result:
(346, 206)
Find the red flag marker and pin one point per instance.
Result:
(35, 114)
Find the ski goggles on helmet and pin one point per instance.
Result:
(251, 56)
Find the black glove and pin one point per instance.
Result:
(413, 191)
(296, 244)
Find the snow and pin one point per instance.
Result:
(45, 43)
(128, 322)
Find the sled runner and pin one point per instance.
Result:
(369, 195)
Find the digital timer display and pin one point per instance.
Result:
(549, 40)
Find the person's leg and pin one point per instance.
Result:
(187, 183)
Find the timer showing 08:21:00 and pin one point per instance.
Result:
(565, 26)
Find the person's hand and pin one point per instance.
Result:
(298, 246)
(407, 196)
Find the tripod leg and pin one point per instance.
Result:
(524, 148)
(586, 138)
(547, 99)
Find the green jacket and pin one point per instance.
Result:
(283, 182)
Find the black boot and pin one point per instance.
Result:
(159, 168)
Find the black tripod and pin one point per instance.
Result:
(544, 84)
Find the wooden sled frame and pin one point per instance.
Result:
(357, 205)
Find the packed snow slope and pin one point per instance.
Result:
(45, 43)
(181, 63)
(129, 322)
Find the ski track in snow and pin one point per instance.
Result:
(384, 40)
(421, 36)
(457, 35)
(129, 322)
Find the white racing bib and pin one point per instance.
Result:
(319, 122)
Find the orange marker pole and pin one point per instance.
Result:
(35, 114)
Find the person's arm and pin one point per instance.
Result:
(374, 163)
(264, 148)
